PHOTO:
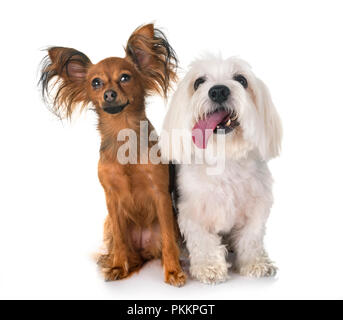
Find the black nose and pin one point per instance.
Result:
(219, 93)
(110, 96)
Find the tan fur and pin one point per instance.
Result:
(140, 225)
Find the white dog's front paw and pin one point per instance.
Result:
(258, 269)
(210, 273)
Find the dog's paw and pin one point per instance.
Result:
(210, 273)
(258, 269)
(175, 278)
(104, 260)
(115, 273)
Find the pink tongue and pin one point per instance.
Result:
(203, 129)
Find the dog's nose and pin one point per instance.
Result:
(110, 96)
(219, 93)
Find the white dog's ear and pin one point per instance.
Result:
(271, 135)
(175, 139)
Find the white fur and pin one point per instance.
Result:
(237, 202)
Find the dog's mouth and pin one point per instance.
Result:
(218, 122)
(115, 109)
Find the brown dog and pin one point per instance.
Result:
(140, 223)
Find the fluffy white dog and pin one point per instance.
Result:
(221, 105)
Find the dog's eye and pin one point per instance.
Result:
(242, 80)
(97, 83)
(198, 82)
(125, 78)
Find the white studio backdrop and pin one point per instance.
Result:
(52, 206)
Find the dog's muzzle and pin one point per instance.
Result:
(115, 109)
(229, 123)
(218, 122)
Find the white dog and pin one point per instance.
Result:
(223, 99)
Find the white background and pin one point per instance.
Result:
(52, 206)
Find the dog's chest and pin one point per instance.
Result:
(223, 199)
(147, 183)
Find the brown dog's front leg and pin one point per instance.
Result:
(170, 252)
(116, 265)
(121, 259)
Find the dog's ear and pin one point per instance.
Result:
(271, 135)
(149, 50)
(68, 67)
(176, 137)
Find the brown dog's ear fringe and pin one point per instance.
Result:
(151, 52)
(69, 69)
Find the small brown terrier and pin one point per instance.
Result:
(140, 224)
